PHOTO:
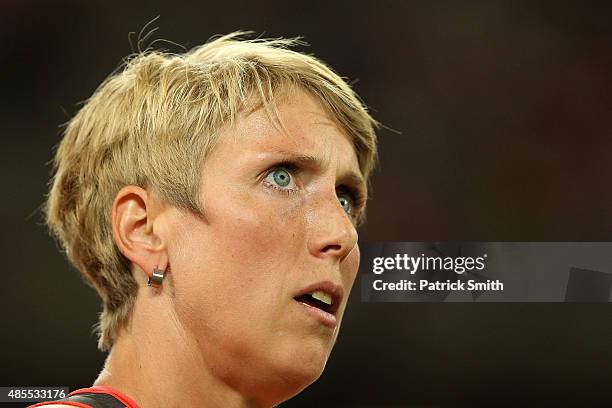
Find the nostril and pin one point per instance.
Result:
(334, 247)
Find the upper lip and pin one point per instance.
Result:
(333, 289)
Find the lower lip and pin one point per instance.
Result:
(325, 318)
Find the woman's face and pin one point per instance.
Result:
(278, 228)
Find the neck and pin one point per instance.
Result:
(158, 364)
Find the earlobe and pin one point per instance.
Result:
(134, 214)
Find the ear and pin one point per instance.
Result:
(136, 230)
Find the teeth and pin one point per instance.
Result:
(322, 296)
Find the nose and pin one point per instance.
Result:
(331, 233)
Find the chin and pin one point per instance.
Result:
(296, 370)
(289, 372)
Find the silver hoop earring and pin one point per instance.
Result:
(156, 279)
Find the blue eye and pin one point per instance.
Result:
(346, 202)
(279, 177)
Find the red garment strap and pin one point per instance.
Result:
(96, 389)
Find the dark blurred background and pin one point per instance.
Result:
(505, 114)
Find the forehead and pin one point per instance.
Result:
(306, 128)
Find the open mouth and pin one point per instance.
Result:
(320, 300)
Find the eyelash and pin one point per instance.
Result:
(356, 196)
(291, 169)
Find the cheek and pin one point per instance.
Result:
(264, 229)
(259, 235)
(240, 264)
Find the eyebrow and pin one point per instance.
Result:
(351, 178)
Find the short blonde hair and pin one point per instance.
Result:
(152, 124)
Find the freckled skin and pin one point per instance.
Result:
(236, 272)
